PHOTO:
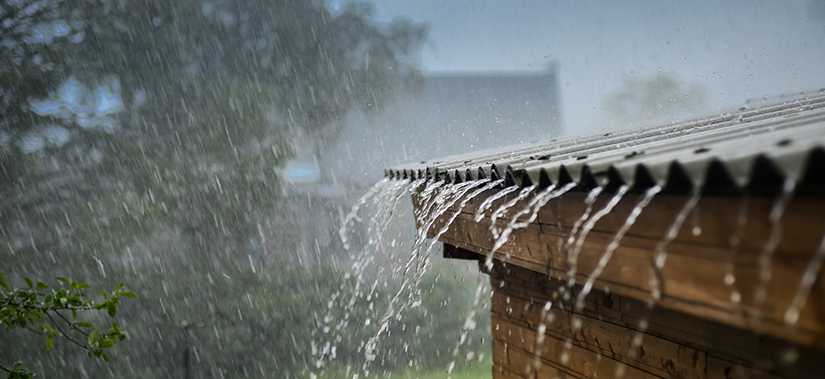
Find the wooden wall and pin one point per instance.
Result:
(675, 345)
(697, 264)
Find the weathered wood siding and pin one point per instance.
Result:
(675, 345)
(697, 263)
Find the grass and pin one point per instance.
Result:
(472, 370)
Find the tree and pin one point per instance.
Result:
(174, 189)
(54, 313)
(654, 99)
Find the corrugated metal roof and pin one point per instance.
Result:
(749, 149)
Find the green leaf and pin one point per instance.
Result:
(28, 281)
(93, 338)
(49, 342)
(127, 293)
(41, 285)
(84, 325)
(111, 308)
(4, 283)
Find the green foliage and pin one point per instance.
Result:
(55, 313)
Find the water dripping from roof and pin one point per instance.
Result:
(384, 199)
(504, 208)
(488, 202)
(353, 213)
(611, 248)
(573, 258)
(657, 279)
(734, 245)
(772, 244)
(463, 204)
(805, 285)
(615, 241)
(438, 198)
(533, 208)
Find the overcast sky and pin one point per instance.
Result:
(735, 49)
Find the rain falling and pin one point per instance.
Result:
(411, 189)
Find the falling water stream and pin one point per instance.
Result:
(657, 279)
(445, 200)
(614, 243)
(490, 185)
(488, 202)
(805, 285)
(461, 206)
(547, 316)
(573, 256)
(469, 322)
(385, 196)
(533, 208)
(353, 214)
(504, 208)
(604, 260)
(735, 244)
(435, 199)
(774, 239)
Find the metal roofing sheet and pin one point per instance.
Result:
(755, 149)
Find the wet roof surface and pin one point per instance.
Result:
(752, 150)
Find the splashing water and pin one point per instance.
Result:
(469, 325)
(385, 200)
(805, 285)
(445, 199)
(461, 206)
(461, 194)
(428, 197)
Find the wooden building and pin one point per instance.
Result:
(466, 110)
(729, 223)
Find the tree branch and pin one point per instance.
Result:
(6, 369)
(71, 324)
(64, 334)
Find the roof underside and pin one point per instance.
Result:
(750, 150)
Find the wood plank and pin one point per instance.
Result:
(581, 362)
(520, 293)
(803, 224)
(659, 356)
(694, 275)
